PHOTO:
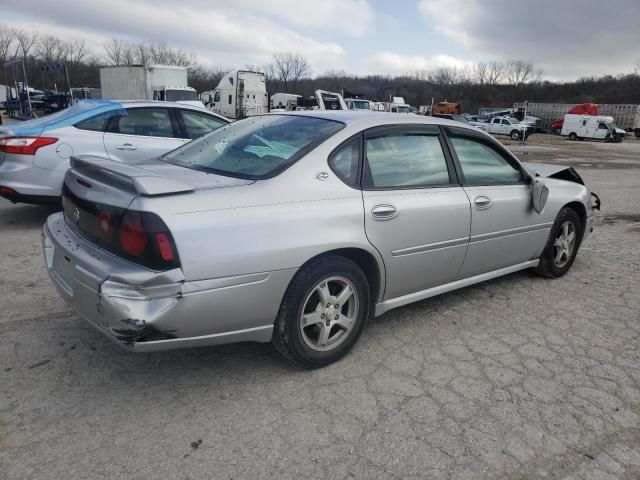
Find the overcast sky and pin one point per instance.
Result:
(567, 38)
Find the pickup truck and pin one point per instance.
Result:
(505, 126)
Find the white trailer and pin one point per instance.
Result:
(153, 82)
(284, 101)
(626, 116)
(596, 127)
(239, 94)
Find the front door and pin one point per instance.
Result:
(415, 214)
(143, 133)
(505, 229)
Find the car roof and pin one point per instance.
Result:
(369, 119)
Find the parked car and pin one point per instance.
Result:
(299, 227)
(34, 155)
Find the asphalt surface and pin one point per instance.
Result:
(516, 378)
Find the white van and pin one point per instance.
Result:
(599, 127)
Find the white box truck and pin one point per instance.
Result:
(153, 82)
(241, 93)
(597, 127)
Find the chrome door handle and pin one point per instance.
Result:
(384, 212)
(126, 146)
(482, 202)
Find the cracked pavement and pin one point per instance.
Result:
(516, 378)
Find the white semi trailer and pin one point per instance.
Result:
(239, 94)
(153, 82)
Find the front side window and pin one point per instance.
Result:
(400, 160)
(482, 165)
(602, 126)
(255, 148)
(505, 122)
(146, 122)
(216, 98)
(197, 124)
(345, 162)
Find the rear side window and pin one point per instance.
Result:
(401, 160)
(146, 122)
(97, 123)
(345, 162)
(197, 124)
(482, 165)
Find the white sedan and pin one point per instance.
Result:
(34, 155)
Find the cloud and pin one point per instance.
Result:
(568, 39)
(212, 32)
(399, 64)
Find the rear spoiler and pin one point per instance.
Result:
(142, 181)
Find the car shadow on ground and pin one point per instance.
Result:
(20, 215)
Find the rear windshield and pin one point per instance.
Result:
(256, 147)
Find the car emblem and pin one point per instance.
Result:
(322, 176)
(76, 214)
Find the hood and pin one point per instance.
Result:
(549, 170)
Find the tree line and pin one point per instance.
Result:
(491, 83)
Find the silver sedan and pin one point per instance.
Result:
(297, 228)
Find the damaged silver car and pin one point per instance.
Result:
(297, 228)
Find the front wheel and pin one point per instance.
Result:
(323, 312)
(515, 135)
(562, 245)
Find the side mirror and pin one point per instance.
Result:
(539, 194)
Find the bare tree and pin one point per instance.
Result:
(24, 42)
(114, 51)
(289, 68)
(495, 72)
(77, 52)
(7, 36)
(120, 52)
(51, 49)
(519, 72)
(480, 73)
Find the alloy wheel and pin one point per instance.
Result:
(564, 244)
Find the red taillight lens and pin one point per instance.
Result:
(7, 191)
(133, 237)
(24, 145)
(164, 247)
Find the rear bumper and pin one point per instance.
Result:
(143, 310)
(30, 183)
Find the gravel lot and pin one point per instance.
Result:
(516, 378)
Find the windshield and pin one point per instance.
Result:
(181, 95)
(460, 118)
(611, 126)
(403, 109)
(255, 148)
(360, 105)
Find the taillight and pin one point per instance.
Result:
(133, 237)
(25, 145)
(164, 247)
(105, 228)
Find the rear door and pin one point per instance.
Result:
(505, 230)
(416, 214)
(143, 133)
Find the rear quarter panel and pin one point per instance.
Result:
(269, 225)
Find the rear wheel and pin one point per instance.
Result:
(573, 137)
(323, 312)
(562, 245)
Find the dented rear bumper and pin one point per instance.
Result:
(145, 310)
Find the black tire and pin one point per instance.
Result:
(288, 334)
(573, 137)
(515, 135)
(608, 139)
(548, 267)
(556, 131)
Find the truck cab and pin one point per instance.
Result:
(358, 104)
(505, 126)
(239, 94)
